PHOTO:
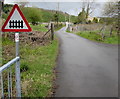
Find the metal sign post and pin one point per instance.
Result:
(16, 22)
(17, 68)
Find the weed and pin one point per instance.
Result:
(93, 35)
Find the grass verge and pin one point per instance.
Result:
(94, 36)
(38, 64)
(40, 27)
(58, 28)
(37, 68)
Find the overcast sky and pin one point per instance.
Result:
(72, 8)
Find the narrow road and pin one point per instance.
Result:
(86, 68)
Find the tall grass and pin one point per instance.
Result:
(95, 36)
(38, 63)
(40, 27)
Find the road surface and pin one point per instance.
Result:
(86, 68)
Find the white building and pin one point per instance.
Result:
(90, 18)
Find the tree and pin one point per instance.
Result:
(95, 20)
(89, 6)
(34, 16)
(0, 6)
(88, 9)
(111, 9)
(56, 17)
(6, 9)
(82, 16)
(74, 19)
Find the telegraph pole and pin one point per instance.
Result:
(69, 18)
(58, 14)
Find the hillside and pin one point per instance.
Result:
(45, 15)
(48, 15)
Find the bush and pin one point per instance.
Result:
(24, 67)
(4, 16)
(95, 20)
(89, 21)
(34, 16)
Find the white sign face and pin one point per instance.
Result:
(16, 37)
(16, 21)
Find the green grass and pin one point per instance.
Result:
(40, 27)
(0, 50)
(69, 31)
(37, 66)
(40, 61)
(58, 28)
(93, 35)
(112, 40)
(7, 41)
(90, 36)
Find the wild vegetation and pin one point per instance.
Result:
(38, 15)
(38, 57)
(105, 30)
(38, 60)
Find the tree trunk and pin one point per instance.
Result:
(111, 31)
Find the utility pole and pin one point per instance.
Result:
(58, 14)
(58, 6)
(69, 23)
(65, 18)
(69, 18)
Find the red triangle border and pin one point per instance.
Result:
(16, 30)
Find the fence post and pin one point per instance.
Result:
(52, 31)
(17, 73)
(2, 89)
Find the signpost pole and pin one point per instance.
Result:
(18, 83)
(16, 22)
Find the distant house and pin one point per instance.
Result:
(91, 18)
(98, 19)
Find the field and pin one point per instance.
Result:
(40, 27)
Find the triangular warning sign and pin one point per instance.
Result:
(16, 22)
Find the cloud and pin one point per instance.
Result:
(2, 0)
(72, 8)
(13, 1)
